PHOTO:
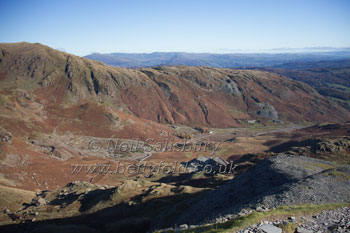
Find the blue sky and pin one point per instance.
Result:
(83, 27)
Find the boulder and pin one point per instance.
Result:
(5, 136)
(269, 228)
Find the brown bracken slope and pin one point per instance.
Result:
(176, 95)
(53, 103)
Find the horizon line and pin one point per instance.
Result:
(319, 49)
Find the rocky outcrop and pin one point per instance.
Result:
(230, 87)
(266, 111)
(316, 146)
(5, 136)
(198, 164)
(332, 145)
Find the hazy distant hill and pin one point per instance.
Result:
(329, 78)
(233, 60)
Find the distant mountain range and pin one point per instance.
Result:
(329, 78)
(229, 60)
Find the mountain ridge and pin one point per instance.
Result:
(225, 60)
(175, 95)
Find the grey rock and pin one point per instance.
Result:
(269, 228)
(5, 136)
(303, 230)
(6, 211)
(267, 111)
(230, 87)
(40, 201)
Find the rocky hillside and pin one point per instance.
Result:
(181, 95)
(329, 78)
(278, 185)
(282, 180)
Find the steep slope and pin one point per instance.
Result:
(180, 95)
(276, 181)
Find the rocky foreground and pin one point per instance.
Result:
(277, 181)
(282, 180)
(331, 221)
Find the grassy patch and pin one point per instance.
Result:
(288, 228)
(318, 165)
(13, 198)
(338, 174)
(338, 158)
(339, 86)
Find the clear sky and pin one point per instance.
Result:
(83, 26)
